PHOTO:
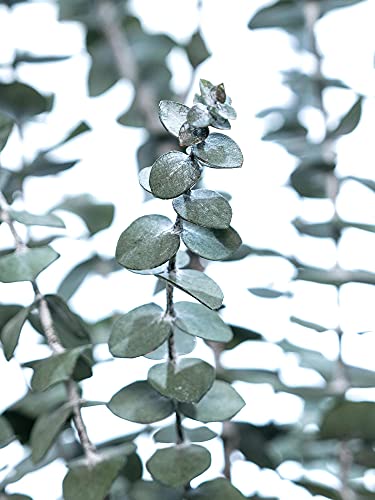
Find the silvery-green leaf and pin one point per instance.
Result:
(178, 465)
(46, 429)
(212, 244)
(205, 208)
(147, 243)
(190, 135)
(172, 115)
(28, 219)
(219, 151)
(6, 126)
(197, 320)
(6, 432)
(206, 88)
(139, 402)
(186, 381)
(144, 178)
(218, 489)
(197, 284)
(199, 434)
(220, 403)
(12, 330)
(183, 344)
(217, 120)
(199, 116)
(172, 174)
(139, 332)
(25, 265)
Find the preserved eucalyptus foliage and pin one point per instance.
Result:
(185, 387)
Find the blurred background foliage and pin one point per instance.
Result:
(334, 435)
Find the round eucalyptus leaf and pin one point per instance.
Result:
(139, 332)
(219, 151)
(196, 284)
(183, 344)
(189, 135)
(147, 243)
(197, 320)
(178, 465)
(218, 489)
(144, 178)
(172, 174)
(6, 127)
(139, 402)
(199, 434)
(186, 381)
(199, 116)
(205, 208)
(172, 115)
(212, 244)
(220, 403)
(26, 264)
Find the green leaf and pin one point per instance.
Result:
(197, 320)
(308, 324)
(139, 332)
(349, 420)
(92, 482)
(369, 183)
(28, 219)
(74, 279)
(56, 368)
(219, 151)
(144, 178)
(172, 115)
(96, 216)
(172, 174)
(241, 334)
(22, 101)
(334, 276)
(211, 244)
(139, 402)
(178, 465)
(186, 381)
(218, 489)
(199, 116)
(220, 403)
(183, 344)
(268, 293)
(313, 179)
(147, 243)
(199, 434)
(349, 121)
(205, 208)
(6, 127)
(11, 331)
(42, 165)
(189, 135)
(25, 265)
(196, 49)
(6, 432)
(103, 72)
(151, 490)
(46, 429)
(196, 284)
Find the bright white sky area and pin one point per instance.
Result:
(249, 64)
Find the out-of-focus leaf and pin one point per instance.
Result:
(28, 57)
(320, 489)
(139, 402)
(74, 279)
(241, 334)
(196, 49)
(197, 435)
(197, 284)
(211, 244)
(369, 183)
(336, 277)
(349, 121)
(46, 429)
(6, 432)
(349, 420)
(96, 216)
(42, 165)
(308, 324)
(172, 174)
(205, 208)
(178, 465)
(6, 127)
(49, 220)
(196, 319)
(218, 489)
(314, 179)
(22, 101)
(25, 265)
(268, 293)
(220, 403)
(135, 251)
(183, 344)
(153, 490)
(139, 332)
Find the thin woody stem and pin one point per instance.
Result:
(53, 342)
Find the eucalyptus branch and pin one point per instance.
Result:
(53, 341)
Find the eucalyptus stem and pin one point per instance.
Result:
(53, 341)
